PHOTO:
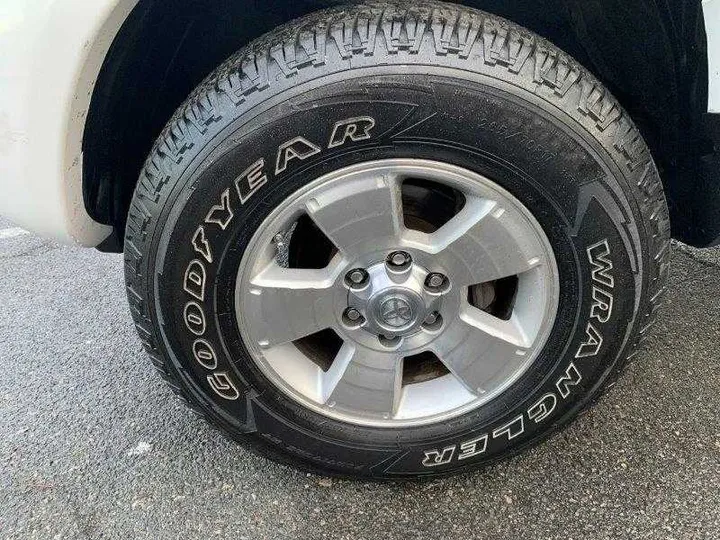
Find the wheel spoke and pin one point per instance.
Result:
(477, 346)
(287, 304)
(483, 242)
(358, 212)
(363, 379)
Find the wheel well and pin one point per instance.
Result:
(653, 59)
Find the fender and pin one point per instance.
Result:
(47, 75)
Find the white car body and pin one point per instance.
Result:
(711, 9)
(52, 52)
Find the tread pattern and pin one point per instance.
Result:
(303, 47)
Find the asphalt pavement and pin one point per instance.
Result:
(93, 445)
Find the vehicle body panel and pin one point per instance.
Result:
(711, 9)
(52, 51)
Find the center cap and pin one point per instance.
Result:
(396, 312)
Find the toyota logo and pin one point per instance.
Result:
(396, 312)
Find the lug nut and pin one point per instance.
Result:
(391, 342)
(435, 281)
(352, 318)
(356, 277)
(433, 322)
(399, 259)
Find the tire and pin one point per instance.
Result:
(440, 84)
